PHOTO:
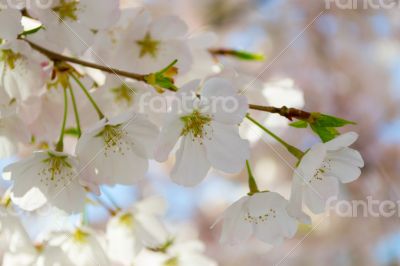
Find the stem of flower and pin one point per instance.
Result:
(105, 206)
(293, 150)
(110, 198)
(86, 92)
(239, 54)
(77, 120)
(252, 182)
(60, 143)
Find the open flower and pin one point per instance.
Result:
(207, 127)
(81, 246)
(13, 237)
(69, 23)
(123, 94)
(190, 252)
(147, 44)
(117, 149)
(129, 232)
(22, 70)
(46, 177)
(36, 255)
(316, 179)
(18, 249)
(263, 215)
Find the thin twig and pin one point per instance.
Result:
(58, 57)
(289, 113)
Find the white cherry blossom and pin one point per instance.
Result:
(124, 95)
(189, 253)
(18, 248)
(207, 130)
(13, 236)
(68, 23)
(46, 177)
(82, 246)
(323, 167)
(22, 70)
(117, 149)
(148, 45)
(36, 255)
(263, 215)
(129, 232)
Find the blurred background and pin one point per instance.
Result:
(343, 62)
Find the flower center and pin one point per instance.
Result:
(148, 46)
(57, 170)
(319, 173)
(269, 214)
(195, 124)
(80, 236)
(9, 57)
(172, 262)
(67, 10)
(123, 93)
(126, 219)
(116, 140)
(39, 247)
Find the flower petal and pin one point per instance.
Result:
(170, 133)
(341, 141)
(124, 169)
(224, 104)
(144, 133)
(226, 150)
(151, 230)
(295, 207)
(92, 10)
(191, 165)
(10, 24)
(169, 27)
(310, 162)
(347, 155)
(70, 198)
(317, 194)
(235, 229)
(272, 223)
(345, 172)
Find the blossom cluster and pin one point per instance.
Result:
(71, 95)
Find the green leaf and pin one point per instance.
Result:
(322, 120)
(325, 133)
(299, 124)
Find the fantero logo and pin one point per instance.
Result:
(361, 4)
(20, 4)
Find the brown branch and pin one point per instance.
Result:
(289, 113)
(58, 57)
